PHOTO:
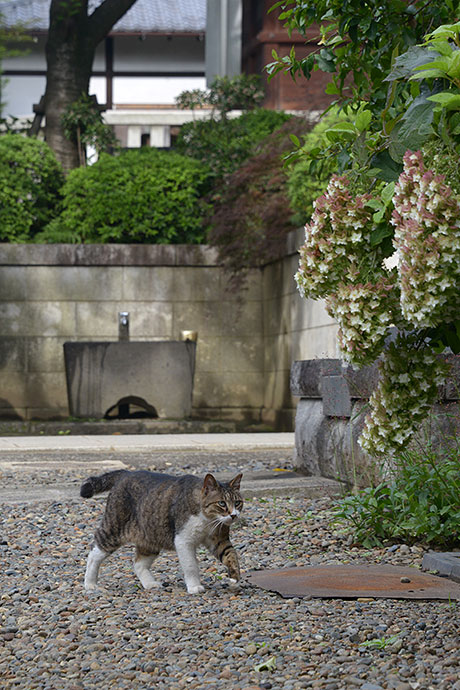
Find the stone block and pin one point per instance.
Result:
(74, 283)
(315, 343)
(198, 284)
(243, 354)
(277, 316)
(328, 447)
(13, 354)
(46, 390)
(100, 374)
(306, 375)
(241, 319)
(203, 317)
(336, 396)
(143, 283)
(45, 354)
(12, 283)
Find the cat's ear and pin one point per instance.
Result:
(210, 484)
(236, 481)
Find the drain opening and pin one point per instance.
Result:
(131, 407)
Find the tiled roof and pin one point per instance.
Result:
(145, 16)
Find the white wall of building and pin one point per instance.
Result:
(154, 54)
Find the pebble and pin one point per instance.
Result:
(54, 635)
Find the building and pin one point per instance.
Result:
(157, 50)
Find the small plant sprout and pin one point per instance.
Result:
(268, 665)
(380, 642)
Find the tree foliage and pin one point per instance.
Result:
(84, 126)
(249, 211)
(241, 92)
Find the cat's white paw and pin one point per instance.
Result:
(195, 589)
(91, 587)
(234, 584)
(151, 584)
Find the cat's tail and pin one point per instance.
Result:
(104, 482)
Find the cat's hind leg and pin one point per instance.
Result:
(95, 558)
(142, 563)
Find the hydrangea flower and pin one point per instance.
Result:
(409, 378)
(340, 226)
(426, 217)
(364, 313)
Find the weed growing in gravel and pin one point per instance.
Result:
(380, 642)
(419, 502)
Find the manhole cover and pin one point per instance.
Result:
(353, 581)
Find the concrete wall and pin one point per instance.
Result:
(50, 294)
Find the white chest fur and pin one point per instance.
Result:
(194, 531)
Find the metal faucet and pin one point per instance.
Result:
(123, 325)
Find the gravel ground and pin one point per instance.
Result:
(55, 636)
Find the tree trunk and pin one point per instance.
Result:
(72, 40)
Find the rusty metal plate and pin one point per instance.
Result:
(355, 581)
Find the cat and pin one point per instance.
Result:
(156, 511)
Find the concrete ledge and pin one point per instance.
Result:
(107, 255)
(447, 564)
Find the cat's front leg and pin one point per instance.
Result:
(223, 549)
(187, 559)
(230, 560)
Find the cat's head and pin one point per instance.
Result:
(221, 501)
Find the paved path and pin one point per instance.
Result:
(47, 467)
(150, 442)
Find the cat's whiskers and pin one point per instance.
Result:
(215, 524)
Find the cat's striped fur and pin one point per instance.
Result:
(156, 511)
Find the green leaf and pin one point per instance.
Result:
(447, 99)
(295, 140)
(443, 64)
(388, 169)
(388, 193)
(428, 74)
(406, 63)
(380, 233)
(331, 89)
(363, 120)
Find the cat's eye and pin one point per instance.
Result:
(222, 504)
(238, 504)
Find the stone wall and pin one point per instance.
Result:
(330, 415)
(51, 294)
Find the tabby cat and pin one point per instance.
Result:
(157, 511)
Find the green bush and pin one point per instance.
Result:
(30, 183)
(141, 196)
(307, 179)
(421, 502)
(225, 144)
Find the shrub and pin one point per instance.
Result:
(421, 502)
(30, 183)
(307, 178)
(143, 195)
(225, 144)
(250, 210)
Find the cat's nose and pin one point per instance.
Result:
(234, 515)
